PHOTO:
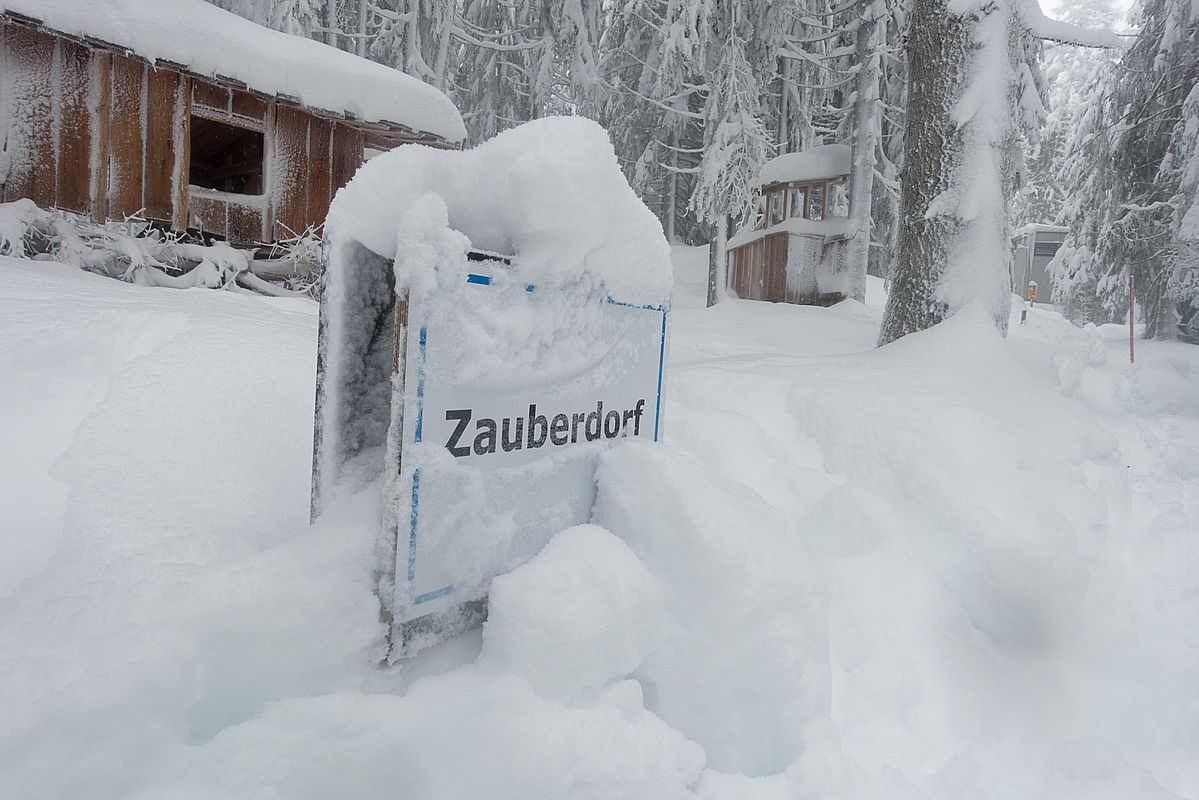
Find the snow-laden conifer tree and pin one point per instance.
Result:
(736, 143)
(413, 36)
(1131, 182)
(1069, 74)
(865, 131)
(516, 60)
(1153, 229)
(845, 60)
(969, 90)
(1086, 182)
(649, 100)
(308, 18)
(297, 17)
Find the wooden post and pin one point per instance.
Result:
(385, 580)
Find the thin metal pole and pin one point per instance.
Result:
(1131, 318)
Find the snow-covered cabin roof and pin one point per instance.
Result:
(813, 164)
(1040, 227)
(211, 42)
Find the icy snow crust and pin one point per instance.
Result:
(954, 567)
(213, 42)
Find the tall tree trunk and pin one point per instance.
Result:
(718, 260)
(938, 48)
(331, 23)
(782, 132)
(672, 187)
(865, 143)
(443, 49)
(360, 41)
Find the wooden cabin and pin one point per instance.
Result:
(184, 114)
(795, 247)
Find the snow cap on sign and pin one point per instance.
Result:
(549, 192)
(813, 164)
(212, 42)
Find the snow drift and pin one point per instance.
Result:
(954, 567)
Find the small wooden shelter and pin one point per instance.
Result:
(794, 250)
(193, 117)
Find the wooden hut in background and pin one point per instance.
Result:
(193, 117)
(794, 250)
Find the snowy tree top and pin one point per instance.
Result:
(210, 41)
(813, 164)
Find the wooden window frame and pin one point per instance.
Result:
(776, 200)
(796, 191)
(791, 191)
(234, 121)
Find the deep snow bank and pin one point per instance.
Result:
(951, 568)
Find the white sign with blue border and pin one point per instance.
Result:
(511, 392)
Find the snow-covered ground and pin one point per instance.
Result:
(955, 567)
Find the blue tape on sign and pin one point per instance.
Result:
(420, 383)
(482, 280)
(423, 340)
(433, 595)
(412, 526)
(612, 301)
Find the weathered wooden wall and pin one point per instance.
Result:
(106, 134)
(758, 269)
(783, 267)
(88, 131)
(27, 74)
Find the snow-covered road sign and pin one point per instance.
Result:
(475, 391)
(499, 447)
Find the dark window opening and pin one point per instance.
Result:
(226, 157)
(777, 199)
(1045, 248)
(816, 202)
(796, 200)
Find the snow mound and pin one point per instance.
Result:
(549, 191)
(742, 667)
(953, 567)
(581, 613)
